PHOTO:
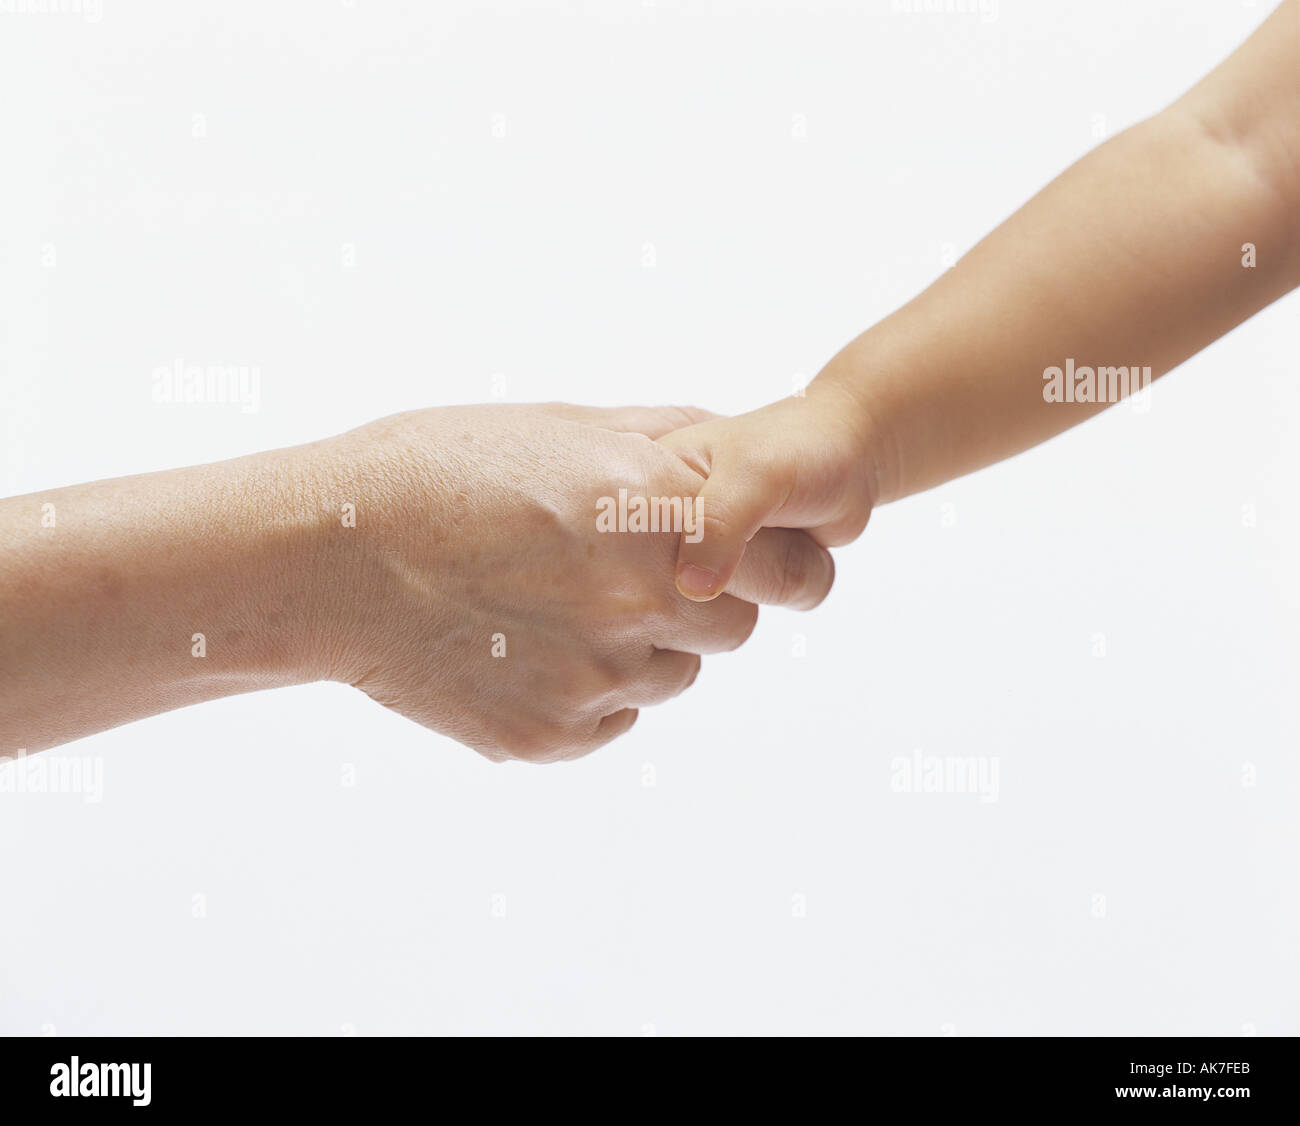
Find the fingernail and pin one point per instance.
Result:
(697, 583)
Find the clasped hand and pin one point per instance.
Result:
(484, 601)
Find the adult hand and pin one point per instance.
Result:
(485, 603)
(447, 562)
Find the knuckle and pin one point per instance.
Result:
(530, 745)
(816, 593)
(625, 720)
(687, 416)
(792, 579)
(711, 518)
(604, 681)
(715, 526)
(746, 621)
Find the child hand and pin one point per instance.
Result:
(804, 462)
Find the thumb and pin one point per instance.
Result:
(731, 507)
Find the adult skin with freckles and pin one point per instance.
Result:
(446, 562)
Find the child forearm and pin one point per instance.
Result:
(1136, 257)
(1142, 253)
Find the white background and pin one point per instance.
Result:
(771, 880)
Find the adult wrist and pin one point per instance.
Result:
(378, 504)
(301, 557)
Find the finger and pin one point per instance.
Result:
(846, 529)
(731, 507)
(718, 626)
(607, 730)
(667, 673)
(783, 567)
(653, 422)
(489, 751)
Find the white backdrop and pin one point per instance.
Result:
(384, 206)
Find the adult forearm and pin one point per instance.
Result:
(129, 597)
(447, 562)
